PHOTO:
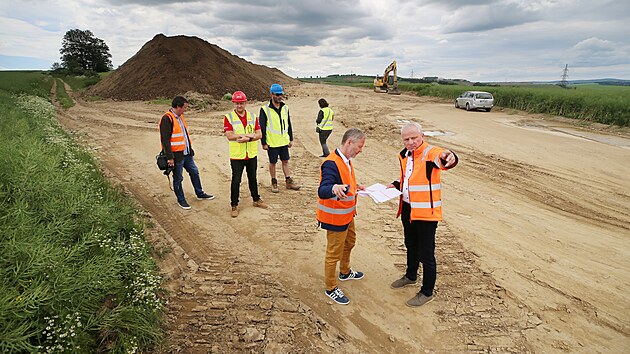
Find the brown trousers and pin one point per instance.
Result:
(340, 244)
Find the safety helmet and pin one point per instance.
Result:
(276, 89)
(239, 96)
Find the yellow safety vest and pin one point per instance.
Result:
(327, 121)
(240, 151)
(277, 126)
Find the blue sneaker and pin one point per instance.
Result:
(351, 275)
(337, 296)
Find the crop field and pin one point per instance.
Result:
(592, 102)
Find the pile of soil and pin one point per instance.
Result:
(170, 66)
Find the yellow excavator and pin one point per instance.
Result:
(387, 83)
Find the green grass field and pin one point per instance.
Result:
(76, 274)
(595, 103)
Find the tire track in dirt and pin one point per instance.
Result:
(539, 185)
(473, 313)
(220, 301)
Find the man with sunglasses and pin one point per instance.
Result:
(277, 136)
(242, 130)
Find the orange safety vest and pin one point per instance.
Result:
(335, 211)
(425, 196)
(178, 141)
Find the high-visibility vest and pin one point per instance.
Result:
(335, 211)
(277, 128)
(178, 140)
(327, 121)
(425, 196)
(239, 151)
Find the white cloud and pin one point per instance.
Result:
(482, 40)
(598, 52)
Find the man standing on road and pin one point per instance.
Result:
(336, 208)
(421, 207)
(324, 125)
(177, 147)
(242, 130)
(277, 136)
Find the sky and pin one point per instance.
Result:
(477, 40)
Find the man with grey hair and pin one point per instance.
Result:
(421, 207)
(336, 208)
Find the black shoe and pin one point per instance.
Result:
(205, 196)
(184, 205)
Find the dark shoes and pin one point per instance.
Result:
(402, 282)
(184, 205)
(351, 275)
(419, 300)
(205, 196)
(337, 296)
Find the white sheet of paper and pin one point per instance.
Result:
(379, 193)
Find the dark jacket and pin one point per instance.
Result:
(166, 130)
(262, 120)
(330, 177)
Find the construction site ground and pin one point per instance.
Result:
(533, 254)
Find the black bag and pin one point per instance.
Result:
(162, 161)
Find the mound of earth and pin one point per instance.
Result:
(170, 66)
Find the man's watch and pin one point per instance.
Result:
(251, 139)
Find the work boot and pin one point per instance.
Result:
(260, 204)
(234, 212)
(274, 185)
(292, 185)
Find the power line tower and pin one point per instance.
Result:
(565, 75)
(412, 73)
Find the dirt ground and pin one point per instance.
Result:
(533, 254)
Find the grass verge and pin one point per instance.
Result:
(76, 274)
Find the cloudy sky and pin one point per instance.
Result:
(478, 40)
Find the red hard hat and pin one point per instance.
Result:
(239, 96)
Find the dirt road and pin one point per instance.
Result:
(533, 255)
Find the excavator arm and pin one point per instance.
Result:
(387, 83)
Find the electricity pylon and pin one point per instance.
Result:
(565, 75)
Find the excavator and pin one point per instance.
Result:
(387, 83)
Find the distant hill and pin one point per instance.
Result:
(354, 78)
(607, 81)
(168, 66)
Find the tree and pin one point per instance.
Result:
(81, 51)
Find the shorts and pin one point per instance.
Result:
(273, 153)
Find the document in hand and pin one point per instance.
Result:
(379, 193)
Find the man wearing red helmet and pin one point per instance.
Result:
(242, 129)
